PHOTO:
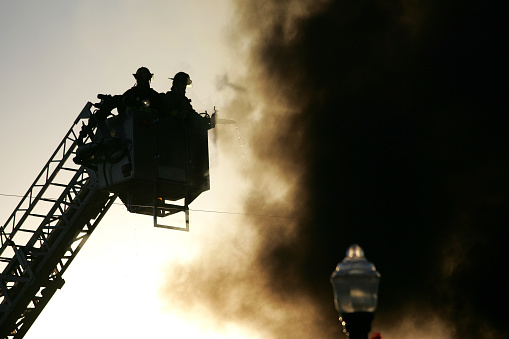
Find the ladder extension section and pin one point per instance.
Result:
(45, 232)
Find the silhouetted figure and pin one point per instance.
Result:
(141, 96)
(175, 103)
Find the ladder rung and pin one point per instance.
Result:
(48, 199)
(53, 227)
(70, 169)
(37, 215)
(14, 278)
(57, 184)
(26, 230)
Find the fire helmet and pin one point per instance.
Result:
(143, 74)
(182, 78)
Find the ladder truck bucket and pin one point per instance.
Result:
(153, 161)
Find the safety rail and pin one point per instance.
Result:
(45, 232)
(44, 180)
(35, 271)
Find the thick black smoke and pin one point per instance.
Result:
(396, 124)
(386, 123)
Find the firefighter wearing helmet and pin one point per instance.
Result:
(143, 75)
(141, 96)
(175, 103)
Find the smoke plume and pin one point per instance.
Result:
(379, 123)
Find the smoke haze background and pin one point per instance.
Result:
(380, 123)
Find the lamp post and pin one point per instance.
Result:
(355, 284)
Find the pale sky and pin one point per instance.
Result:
(56, 56)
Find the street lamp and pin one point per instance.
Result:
(355, 284)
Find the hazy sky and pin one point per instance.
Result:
(56, 56)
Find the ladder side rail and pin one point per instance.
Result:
(17, 223)
(13, 269)
(61, 204)
(32, 219)
(75, 202)
(16, 268)
(70, 137)
(83, 236)
(30, 194)
(69, 199)
(54, 281)
(48, 266)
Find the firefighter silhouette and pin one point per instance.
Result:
(174, 102)
(141, 96)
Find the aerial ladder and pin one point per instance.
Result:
(149, 162)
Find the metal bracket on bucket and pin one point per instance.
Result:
(162, 209)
